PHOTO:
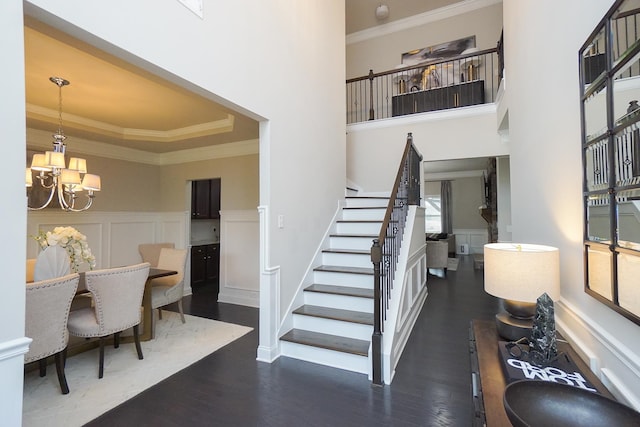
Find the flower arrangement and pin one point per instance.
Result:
(74, 242)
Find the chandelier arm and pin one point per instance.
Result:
(52, 190)
(70, 206)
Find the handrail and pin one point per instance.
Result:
(405, 192)
(457, 81)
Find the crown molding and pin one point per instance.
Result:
(202, 129)
(42, 139)
(445, 12)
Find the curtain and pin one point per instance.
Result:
(445, 207)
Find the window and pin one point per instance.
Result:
(433, 223)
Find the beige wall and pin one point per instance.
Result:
(239, 182)
(467, 197)
(384, 53)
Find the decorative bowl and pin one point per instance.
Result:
(531, 403)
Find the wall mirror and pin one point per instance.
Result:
(609, 64)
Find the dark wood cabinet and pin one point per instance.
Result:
(442, 98)
(205, 264)
(205, 199)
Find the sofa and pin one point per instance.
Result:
(449, 238)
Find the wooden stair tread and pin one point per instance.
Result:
(344, 269)
(335, 314)
(368, 197)
(341, 290)
(368, 236)
(348, 251)
(364, 207)
(359, 221)
(330, 342)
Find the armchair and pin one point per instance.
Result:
(437, 254)
(47, 311)
(117, 295)
(166, 290)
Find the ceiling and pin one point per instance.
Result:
(111, 101)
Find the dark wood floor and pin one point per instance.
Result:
(432, 385)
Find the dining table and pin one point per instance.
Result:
(148, 329)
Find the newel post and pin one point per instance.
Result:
(371, 115)
(376, 338)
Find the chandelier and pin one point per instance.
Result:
(53, 175)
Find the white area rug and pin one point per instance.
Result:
(452, 264)
(175, 347)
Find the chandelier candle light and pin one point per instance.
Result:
(53, 173)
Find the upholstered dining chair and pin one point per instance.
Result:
(150, 252)
(52, 262)
(117, 295)
(170, 289)
(31, 266)
(46, 314)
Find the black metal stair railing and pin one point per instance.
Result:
(386, 248)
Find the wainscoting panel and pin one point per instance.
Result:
(474, 238)
(112, 236)
(239, 257)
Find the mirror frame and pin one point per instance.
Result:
(601, 61)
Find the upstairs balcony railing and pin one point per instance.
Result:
(436, 85)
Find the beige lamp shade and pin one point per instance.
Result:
(28, 178)
(70, 177)
(54, 159)
(521, 272)
(78, 164)
(91, 182)
(39, 163)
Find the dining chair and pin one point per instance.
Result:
(150, 252)
(46, 314)
(170, 289)
(52, 262)
(31, 266)
(117, 295)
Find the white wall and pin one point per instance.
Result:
(276, 60)
(374, 148)
(12, 108)
(546, 184)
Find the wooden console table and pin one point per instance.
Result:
(488, 381)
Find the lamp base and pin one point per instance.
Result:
(511, 328)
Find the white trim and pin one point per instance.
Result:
(42, 139)
(14, 348)
(430, 116)
(268, 348)
(162, 136)
(609, 359)
(445, 12)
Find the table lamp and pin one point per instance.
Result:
(519, 273)
(471, 63)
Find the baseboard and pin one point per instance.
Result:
(617, 366)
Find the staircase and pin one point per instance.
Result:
(335, 324)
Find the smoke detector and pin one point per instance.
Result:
(382, 12)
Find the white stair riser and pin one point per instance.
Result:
(359, 243)
(343, 279)
(333, 327)
(363, 214)
(322, 356)
(344, 302)
(366, 203)
(359, 227)
(347, 260)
